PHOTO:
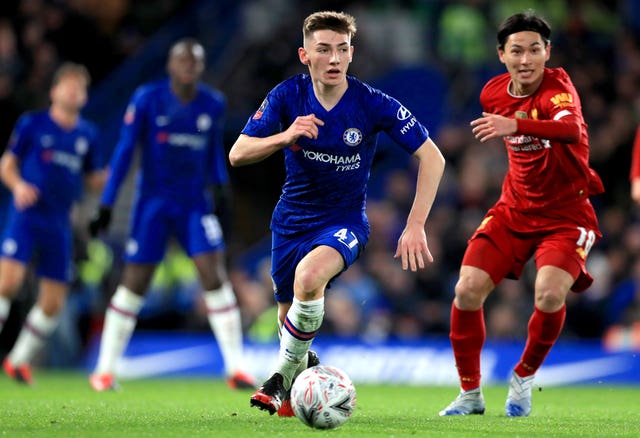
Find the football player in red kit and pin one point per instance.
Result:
(543, 211)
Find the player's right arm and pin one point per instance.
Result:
(24, 194)
(130, 132)
(249, 150)
(120, 163)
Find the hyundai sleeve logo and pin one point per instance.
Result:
(403, 113)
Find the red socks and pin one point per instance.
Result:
(467, 336)
(544, 330)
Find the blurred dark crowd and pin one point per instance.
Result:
(597, 42)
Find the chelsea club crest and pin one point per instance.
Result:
(352, 137)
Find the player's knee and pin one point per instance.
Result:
(470, 292)
(52, 306)
(9, 287)
(549, 299)
(308, 287)
(307, 281)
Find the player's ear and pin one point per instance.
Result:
(302, 54)
(351, 49)
(548, 50)
(501, 55)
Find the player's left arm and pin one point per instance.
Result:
(412, 244)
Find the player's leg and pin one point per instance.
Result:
(39, 325)
(484, 265)
(200, 234)
(15, 253)
(301, 323)
(224, 316)
(310, 360)
(12, 275)
(545, 325)
(301, 269)
(467, 336)
(144, 250)
(119, 322)
(52, 240)
(304, 317)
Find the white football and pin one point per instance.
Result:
(323, 397)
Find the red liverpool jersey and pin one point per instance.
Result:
(544, 173)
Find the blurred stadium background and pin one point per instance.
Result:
(434, 55)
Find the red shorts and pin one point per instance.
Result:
(506, 240)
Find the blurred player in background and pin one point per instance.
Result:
(327, 124)
(177, 123)
(49, 155)
(543, 212)
(635, 169)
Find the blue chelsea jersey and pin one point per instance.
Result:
(54, 159)
(326, 178)
(181, 144)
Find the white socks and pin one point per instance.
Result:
(305, 360)
(301, 324)
(224, 319)
(119, 323)
(36, 330)
(122, 315)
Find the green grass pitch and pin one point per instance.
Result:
(62, 404)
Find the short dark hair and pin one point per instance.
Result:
(339, 22)
(71, 69)
(526, 21)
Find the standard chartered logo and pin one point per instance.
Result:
(342, 162)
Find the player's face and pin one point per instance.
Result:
(525, 55)
(328, 54)
(186, 64)
(70, 93)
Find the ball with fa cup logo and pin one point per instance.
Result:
(323, 397)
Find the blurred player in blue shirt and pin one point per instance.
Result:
(177, 124)
(49, 155)
(326, 123)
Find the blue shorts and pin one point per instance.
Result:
(46, 240)
(155, 220)
(287, 251)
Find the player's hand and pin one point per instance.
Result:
(100, 221)
(25, 195)
(493, 126)
(413, 248)
(303, 126)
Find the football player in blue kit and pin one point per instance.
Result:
(51, 155)
(177, 124)
(327, 124)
